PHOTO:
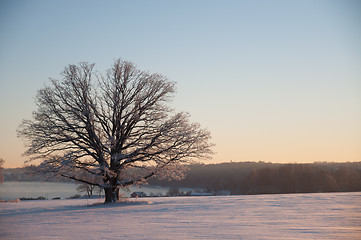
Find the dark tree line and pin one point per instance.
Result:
(252, 177)
(267, 178)
(296, 178)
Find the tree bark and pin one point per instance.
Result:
(111, 194)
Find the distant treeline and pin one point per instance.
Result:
(24, 175)
(249, 177)
(268, 178)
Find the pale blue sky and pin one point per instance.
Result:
(275, 81)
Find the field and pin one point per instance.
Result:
(292, 216)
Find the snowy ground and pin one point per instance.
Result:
(293, 216)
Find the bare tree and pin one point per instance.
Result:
(89, 189)
(118, 128)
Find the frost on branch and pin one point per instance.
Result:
(117, 128)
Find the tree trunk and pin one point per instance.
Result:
(111, 194)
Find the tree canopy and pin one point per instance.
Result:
(111, 130)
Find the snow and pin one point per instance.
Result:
(291, 216)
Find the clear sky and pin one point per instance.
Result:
(274, 81)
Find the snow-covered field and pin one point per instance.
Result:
(293, 216)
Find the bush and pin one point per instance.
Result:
(76, 196)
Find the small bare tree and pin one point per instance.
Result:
(117, 128)
(88, 188)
